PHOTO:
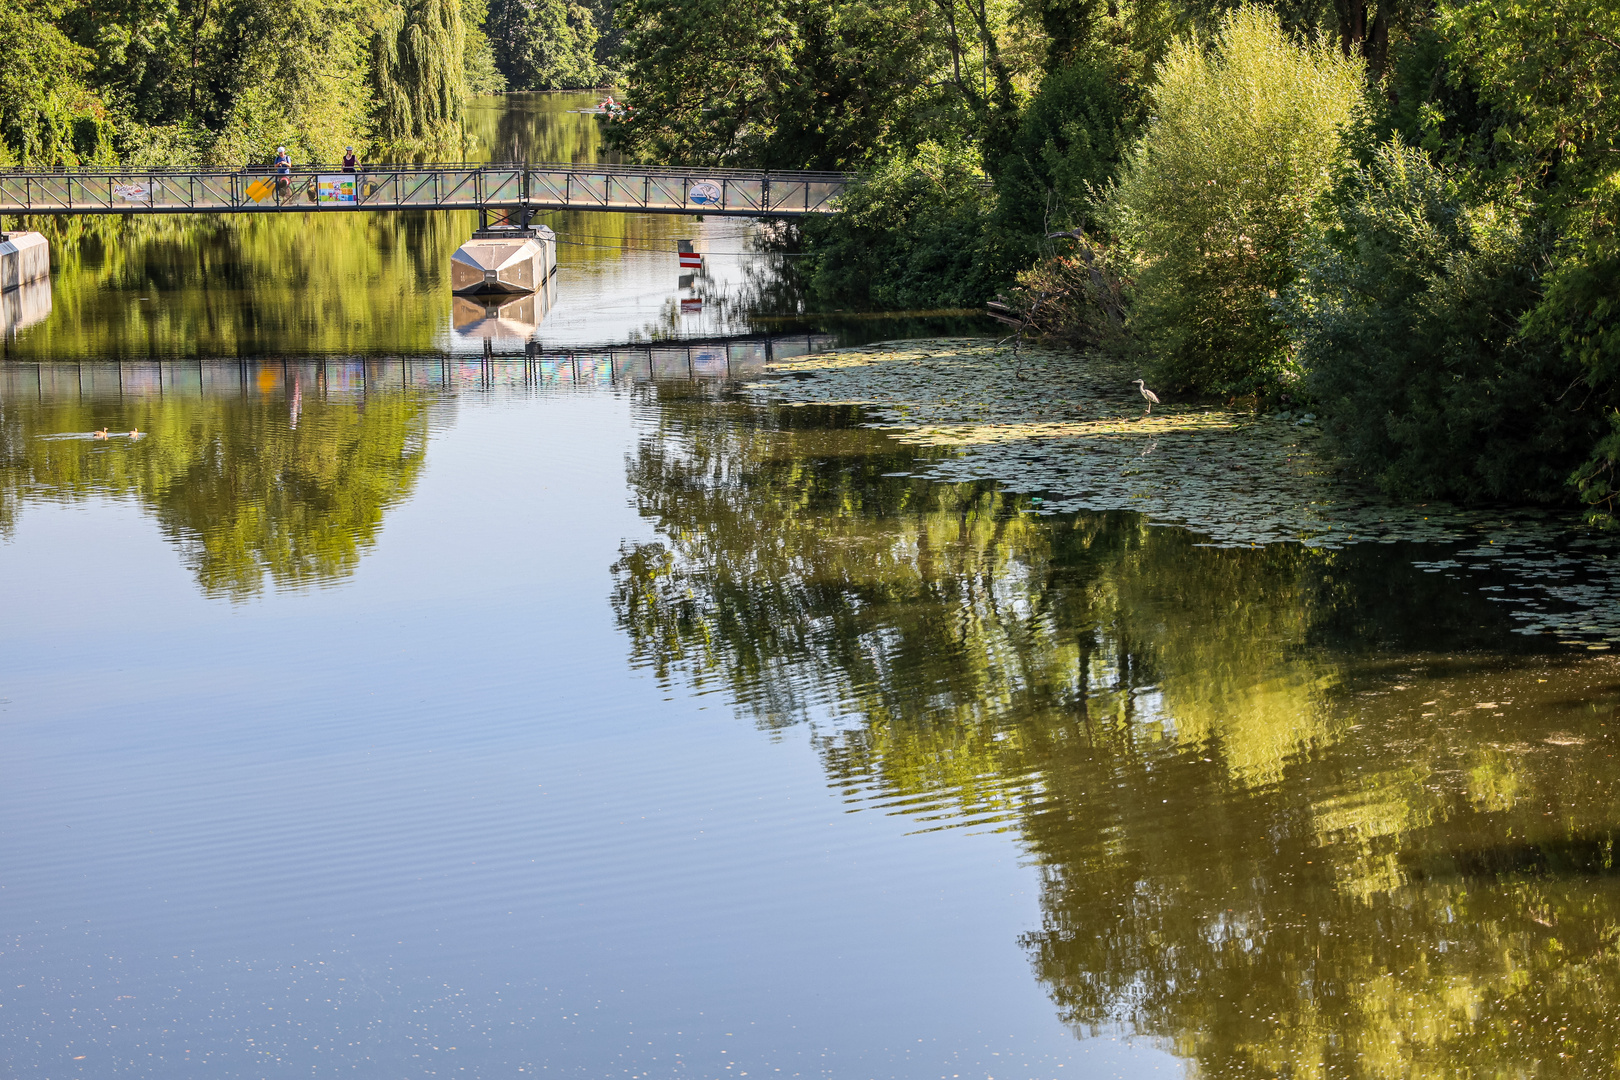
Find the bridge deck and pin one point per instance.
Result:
(510, 188)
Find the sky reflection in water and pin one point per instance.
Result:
(341, 763)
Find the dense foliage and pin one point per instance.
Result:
(823, 84)
(1405, 315)
(912, 235)
(1403, 212)
(1461, 320)
(418, 68)
(544, 44)
(1246, 134)
(47, 113)
(225, 82)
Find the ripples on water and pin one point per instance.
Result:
(342, 766)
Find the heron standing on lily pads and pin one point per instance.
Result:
(1151, 398)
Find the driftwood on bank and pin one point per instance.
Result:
(1078, 298)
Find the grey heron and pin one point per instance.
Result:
(1150, 396)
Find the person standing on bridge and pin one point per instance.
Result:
(283, 171)
(350, 162)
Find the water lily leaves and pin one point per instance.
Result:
(1073, 429)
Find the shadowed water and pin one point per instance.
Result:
(441, 715)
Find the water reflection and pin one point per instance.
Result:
(231, 285)
(535, 127)
(24, 306)
(501, 317)
(277, 473)
(1296, 812)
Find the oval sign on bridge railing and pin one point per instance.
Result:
(705, 193)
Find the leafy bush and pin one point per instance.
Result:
(1069, 143)
(48, 117)
(913, 234)
(1247, 131)
(1553, 69)
(1408, 320)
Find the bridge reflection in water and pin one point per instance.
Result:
(340, 377)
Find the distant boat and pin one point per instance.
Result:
(617, 109)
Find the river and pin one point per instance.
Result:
(386, 708)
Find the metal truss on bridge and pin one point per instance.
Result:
(717, 359)
(502, 191)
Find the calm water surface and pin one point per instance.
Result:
(430, 717)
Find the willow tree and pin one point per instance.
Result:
(418, 72)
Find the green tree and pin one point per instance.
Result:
(49, 117)
(913, 234)
(224, 82)
(419, 72)
(1408, 313)
(483, 77)
(820, 84)
(1076, 130)
(1554, 68)
(1247, 132)
(544, 44)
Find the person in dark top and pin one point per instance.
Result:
(283, 172)
(350, 162)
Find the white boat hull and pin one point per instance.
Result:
(517, 264)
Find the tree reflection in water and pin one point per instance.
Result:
(1297, 813)
(273, 479)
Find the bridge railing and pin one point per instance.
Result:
(589, 187)
(631, 188)
(259, 190)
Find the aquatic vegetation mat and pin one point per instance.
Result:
(1071, 432)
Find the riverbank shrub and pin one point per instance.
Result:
(915, 233)
(1407, 316)
(1554, 69)
(1247, 132)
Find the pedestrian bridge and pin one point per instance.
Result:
(505, 193)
